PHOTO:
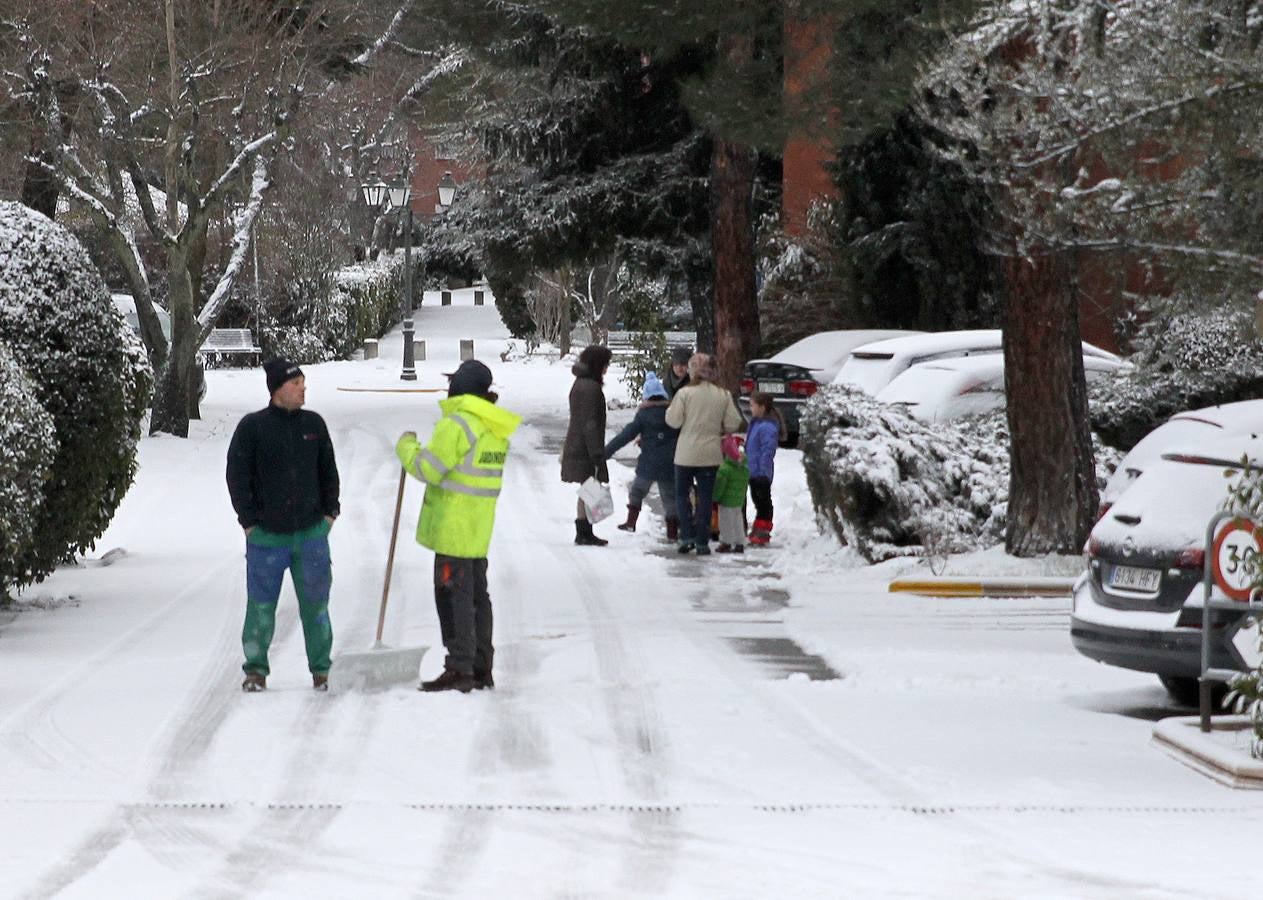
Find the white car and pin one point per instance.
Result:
(873, 366)
(126, 304)
(799, 370)
(965, 386)
(1139, 605)
(1196, 426)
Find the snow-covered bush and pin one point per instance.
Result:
(88, 376)
(363, 301)
(889, 485)
(28, 445)
(1186, 361)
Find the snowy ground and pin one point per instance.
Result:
(770, 726)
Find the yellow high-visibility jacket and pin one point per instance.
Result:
(463, 469)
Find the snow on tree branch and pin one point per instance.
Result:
(385, 38)
(243, 229)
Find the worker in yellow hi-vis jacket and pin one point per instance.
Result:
(462, 467)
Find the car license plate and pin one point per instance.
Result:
(1131, 578)
(772, 387)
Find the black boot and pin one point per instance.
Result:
(583, 535)
(483, 680)
(633, 513)
(450, 680)
(673, 528)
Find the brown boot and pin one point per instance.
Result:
(320, 681)
(450, 680)
(633, 513)
(254, 683)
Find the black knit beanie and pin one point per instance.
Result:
(280, 371)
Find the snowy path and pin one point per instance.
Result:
(642, 740)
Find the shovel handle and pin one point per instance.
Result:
(390, 557)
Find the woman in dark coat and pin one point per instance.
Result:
(583, 456)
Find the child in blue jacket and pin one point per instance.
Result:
(766, 430)
(657, 455)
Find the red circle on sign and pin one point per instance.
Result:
(1221, 579)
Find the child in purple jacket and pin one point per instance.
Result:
(766, 431)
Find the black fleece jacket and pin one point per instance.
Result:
(281, 472)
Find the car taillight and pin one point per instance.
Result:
(1093, 547)
(804, 388)
(1192, 558)
(1102, 510)
(747, 385)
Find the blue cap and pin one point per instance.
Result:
(653, 386)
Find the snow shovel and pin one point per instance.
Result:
(380, 666)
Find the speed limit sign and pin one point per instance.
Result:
(1236, 558)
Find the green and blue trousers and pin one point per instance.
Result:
(306, 554)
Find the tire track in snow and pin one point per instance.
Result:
(509, 736)
(793, 717)
(191, 737)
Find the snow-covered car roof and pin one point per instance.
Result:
(1168, 506)
(825, 351)
(953, 341)
(1192, 429)
(940, 389)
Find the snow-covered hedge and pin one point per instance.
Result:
(363, 302)
(1193, 360)
(889, 485)
(28, 445)
(87, 374)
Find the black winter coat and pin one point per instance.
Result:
(583, 455)
(281, 472)
(657, 441)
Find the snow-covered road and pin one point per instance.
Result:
(643, 739)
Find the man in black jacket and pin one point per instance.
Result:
(283, 481)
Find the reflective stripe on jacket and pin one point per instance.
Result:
(463, 468)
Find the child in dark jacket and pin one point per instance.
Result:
(657, 455)
(766, 430)
(730, 496)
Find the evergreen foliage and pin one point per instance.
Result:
(28, 446)
(89, 377)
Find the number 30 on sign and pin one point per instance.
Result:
(1236, 558)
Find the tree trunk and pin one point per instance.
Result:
(1052, 479)
(171, 396)
(698, 281)
(737, 335)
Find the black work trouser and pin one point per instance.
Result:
(464, 608)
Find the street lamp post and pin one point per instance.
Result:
(399, 196)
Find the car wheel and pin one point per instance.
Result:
(1183, 690)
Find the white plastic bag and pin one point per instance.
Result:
(597, 499)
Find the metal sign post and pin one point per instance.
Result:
(1233, 558)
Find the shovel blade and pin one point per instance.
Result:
(376, 669)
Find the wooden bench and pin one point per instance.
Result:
(623, 343)
(225, 343)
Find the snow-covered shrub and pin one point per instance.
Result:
(879, 477)
(1186, 361)
(363, 301)
(889, 485)
(28, 445)
(88, 376)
